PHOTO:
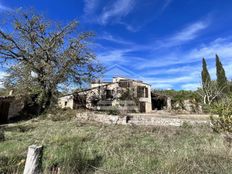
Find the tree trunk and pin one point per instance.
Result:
(205, 99)
(33, 162)
(45, 99)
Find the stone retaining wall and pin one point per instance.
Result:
(138, 120)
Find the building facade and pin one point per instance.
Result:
(121, 93)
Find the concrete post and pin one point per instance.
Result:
(33, 162)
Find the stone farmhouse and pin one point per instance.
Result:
(122, 93)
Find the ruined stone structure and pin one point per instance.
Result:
(121, 93)
(10, 106)
(161, 102)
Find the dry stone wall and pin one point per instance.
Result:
(137, 120)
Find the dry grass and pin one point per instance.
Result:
(75, 147)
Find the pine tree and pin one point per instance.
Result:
(205, 76)
(221, 76)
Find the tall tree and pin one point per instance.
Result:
(45, 55)
(205, 76)
(222, 81)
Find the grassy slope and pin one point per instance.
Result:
(88, 148)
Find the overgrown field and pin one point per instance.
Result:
(75, 147)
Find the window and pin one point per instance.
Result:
(146, 92)
(142, 91)
(124, 84)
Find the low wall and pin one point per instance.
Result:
(138, 120)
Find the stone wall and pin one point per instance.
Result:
(137, 120)
(187, 106)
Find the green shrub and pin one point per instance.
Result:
(223, 121)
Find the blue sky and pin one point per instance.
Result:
(162, 41)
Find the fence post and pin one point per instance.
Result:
(33, 161)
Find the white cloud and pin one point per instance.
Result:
(169, 70)
(90, 6)
(117, 56)
(4, 8)
(111, 56)
(109, 37)
(119, 9)
(171, 80)
(187, 34)
(190, 32)
(161, 86)
(222, 47)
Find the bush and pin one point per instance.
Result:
(222, 123)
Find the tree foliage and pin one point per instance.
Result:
(205, 73)
(45, 56)
(222, 81)
(178, 95)
(212, 90)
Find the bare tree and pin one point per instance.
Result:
(45, 55)
(210, 92)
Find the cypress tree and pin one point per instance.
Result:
(205, 76)
(221, 76)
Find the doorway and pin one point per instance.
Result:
(142, 107)
(4, 110)
(159, 103)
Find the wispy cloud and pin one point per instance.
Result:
(169, 71)
(178, 65)
(117, 10)
(117, 56)
(161, 85)
(187, 34)
(190, 32)
(220, 46)
(90, 6)
(4, 8)
(166, 4)
(109, 37)
(181, 68)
